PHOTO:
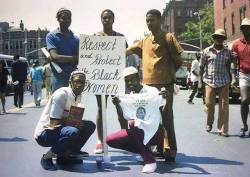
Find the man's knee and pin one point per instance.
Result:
(89, 125)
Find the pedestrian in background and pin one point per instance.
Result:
(19, 76)
(36, 75)
(47, 79)
(241, 48)
(107, 19)
(63, 47)
(215, 68)
(161, 59)
(194, 76)
(3, 84)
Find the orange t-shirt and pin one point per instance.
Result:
(158, 55)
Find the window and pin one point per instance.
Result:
(232, 1)
(224, 4)
(242, 12)
(34, 44)
(178, 13)
(30, 44)
(190, 13)
(233, 25)
(21, 44)
(17, 45)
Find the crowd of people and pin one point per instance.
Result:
(153, 125)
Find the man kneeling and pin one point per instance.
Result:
(54, 131)
(142, 111)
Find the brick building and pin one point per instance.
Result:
(177, 13)
(22, 41)
(228, 15)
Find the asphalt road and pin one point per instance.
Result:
(199, 153)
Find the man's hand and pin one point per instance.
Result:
(233, 82)
(164, 92)
(131, 123)
(115, 100)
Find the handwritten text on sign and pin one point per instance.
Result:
(102, 58)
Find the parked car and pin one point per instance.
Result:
(181, 77)
(8, 60)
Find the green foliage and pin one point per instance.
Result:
(207, 25)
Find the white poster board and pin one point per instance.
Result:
(103, 59)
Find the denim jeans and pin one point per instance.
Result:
(37, 91)
(66, 138)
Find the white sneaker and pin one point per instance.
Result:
(98, 148)
(149, 168)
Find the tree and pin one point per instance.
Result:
(207, 25)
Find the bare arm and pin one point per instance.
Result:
(54, 123)
(55, 57)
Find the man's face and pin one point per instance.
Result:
(107, 19)
(246, 31)
(132, 82)
(153, 22)
(218, 40)
(77, 83)
(64, 20)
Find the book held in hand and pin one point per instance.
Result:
(75, 116)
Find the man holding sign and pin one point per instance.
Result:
(102, 57)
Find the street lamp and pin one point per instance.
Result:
(25, 43)
(198, 14)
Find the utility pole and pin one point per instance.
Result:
(198, 14)
(25, 43)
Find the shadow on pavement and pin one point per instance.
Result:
(88, 167)
(14, 139)
(185, 163)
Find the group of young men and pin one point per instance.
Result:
(160, 53)
(161, 58)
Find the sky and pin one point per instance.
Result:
(129, 14)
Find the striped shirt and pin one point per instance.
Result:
(216, 64)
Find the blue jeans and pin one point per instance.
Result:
(37, 91)
(66, 138)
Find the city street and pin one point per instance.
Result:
(199, 153)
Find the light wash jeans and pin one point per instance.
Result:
(37, 91)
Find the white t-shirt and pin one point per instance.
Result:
(57, 108)
(196, 68)
(144, 109)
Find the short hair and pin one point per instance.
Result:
(155, 12)
(62, 11)
(75, 72)
(108, 10)
(16, 57)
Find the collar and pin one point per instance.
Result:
(57, 31)
(156, 38)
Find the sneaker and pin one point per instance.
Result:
(209, 128)
(67, 161)
(149, 168)
(47, 164)
(98, 149)
(78, 155)
(223, 134)
(242, 131)
(190, 102)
